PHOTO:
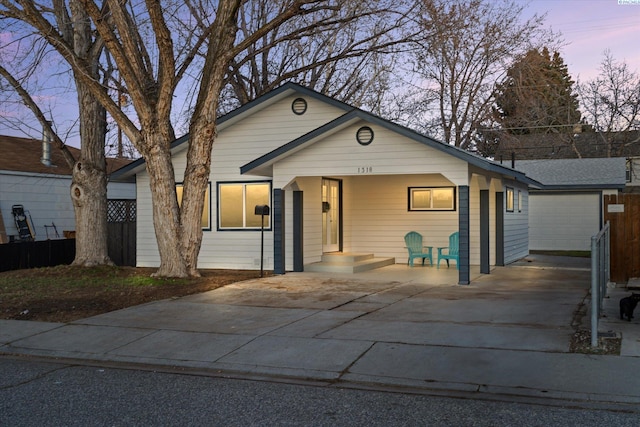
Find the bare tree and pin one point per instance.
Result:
(469, 45)
(611, 104)
(89, 179)
(151, 56)
(347, 52)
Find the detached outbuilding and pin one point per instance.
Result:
(339, 180)
(569, 209)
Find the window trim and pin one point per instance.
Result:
(509, 202)
(411, 208)
(206, 205)
(244, 184)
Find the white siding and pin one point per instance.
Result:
(563, 221)
(388, 154)
(235, 146)
(47, 199)
(516, 226)
(474, 224)
(375, 181)
(146, 246)
(121, 190)
(375, 216)
(379, 216)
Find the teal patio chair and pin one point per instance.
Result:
(413, 241)
(451, 250)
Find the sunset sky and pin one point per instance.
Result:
(591, 26)
(588, 27)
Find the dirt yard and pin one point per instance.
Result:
(64, 294)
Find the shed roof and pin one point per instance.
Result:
(593, 173)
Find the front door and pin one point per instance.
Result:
(330, 215)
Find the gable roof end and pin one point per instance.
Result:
(236, 115)
(258, 165)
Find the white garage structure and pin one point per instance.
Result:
(569, 210)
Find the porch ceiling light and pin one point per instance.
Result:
(299, 106)
(364, 135)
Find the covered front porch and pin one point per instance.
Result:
(334, 192)
(351, 224)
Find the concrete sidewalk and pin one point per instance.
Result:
(506, 335)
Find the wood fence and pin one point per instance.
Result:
(121, 241)
(43, 253)
(121, 231)
(623, 212)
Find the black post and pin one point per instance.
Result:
(262, 244)
(262, 210)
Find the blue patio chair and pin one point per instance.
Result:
(452, 250)
(413, 241)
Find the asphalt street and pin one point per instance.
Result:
(36, 393)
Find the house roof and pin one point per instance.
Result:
(232, 117)
(24, 154)
(356, 115)
(595, 173)
(350, 116)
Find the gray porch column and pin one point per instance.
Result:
(500, 229)
(278, 231)
(298, 252)
(463, 228)
(485, 267)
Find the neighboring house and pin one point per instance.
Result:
(40, 180)
(569, 209)
(339, 180)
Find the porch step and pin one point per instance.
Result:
(348, 263)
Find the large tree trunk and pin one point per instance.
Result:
(166, 213)
(89, 182)
(202, 129)
(89, 185)
(195, 186)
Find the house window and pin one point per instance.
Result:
(206, 211)
(432, 198)
(629, 169)
(237, 202)
(510, 200)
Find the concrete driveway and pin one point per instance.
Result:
(506, 333)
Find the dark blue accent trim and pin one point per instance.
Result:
(298, 229)
(278, 231)
(463, 228)
(220, 229)
(485, 267)
(500, 229)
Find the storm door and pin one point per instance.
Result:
(330, 215)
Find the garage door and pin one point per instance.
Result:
(563, 221)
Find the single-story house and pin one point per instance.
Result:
(569, 209)
(339, 180)
(36, 177)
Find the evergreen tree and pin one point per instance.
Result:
(537, 96)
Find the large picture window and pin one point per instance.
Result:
(237, 202)
(432, 198)
(206, 211)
